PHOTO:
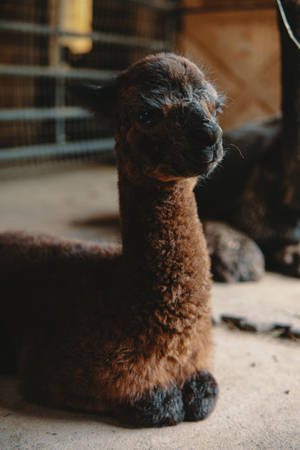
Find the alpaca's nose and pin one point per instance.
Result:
(205, 141)
(206, 134)
(202, 132)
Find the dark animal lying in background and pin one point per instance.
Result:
(126, 331)
(245, 220)
(259, 194)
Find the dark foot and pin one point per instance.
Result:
(160, 408)
(199, 394)
(285, 259)
(234, 256)
(167, 407)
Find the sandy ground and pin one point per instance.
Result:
(258, 373)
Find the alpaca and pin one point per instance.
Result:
(259, 194)
(126, 331)
(245, 222)
(234, 255)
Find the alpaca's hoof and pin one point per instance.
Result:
(234, 256)
(161, 407)
(286, 260)
(200, 394)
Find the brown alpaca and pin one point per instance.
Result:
(126, 332)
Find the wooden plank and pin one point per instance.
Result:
(240, 50)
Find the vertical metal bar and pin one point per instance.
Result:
(57, 61)
(60, 124)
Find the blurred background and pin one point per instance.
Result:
(58, 176)
(57, 167)
(46, 43)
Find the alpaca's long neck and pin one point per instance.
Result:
(164, 246)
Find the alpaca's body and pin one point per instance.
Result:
(155, 320)
(124, 331)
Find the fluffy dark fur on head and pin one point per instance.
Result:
(127, 331)
(164, 105)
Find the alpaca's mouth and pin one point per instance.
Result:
(207, 164)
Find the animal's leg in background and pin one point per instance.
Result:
(234, 256)
(286, 258)
(290, 80)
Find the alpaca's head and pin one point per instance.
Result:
(166, 119)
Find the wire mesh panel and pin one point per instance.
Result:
(44, 44)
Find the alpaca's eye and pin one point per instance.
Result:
(149, 117)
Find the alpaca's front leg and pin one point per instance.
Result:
(169, 406)
(158, 408)
(200, 393)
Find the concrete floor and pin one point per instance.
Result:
(258, 373)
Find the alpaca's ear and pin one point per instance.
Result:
(100, 100)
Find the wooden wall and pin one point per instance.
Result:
(240, 50)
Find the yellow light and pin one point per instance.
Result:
(76, 15)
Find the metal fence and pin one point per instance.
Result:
(45, 43)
